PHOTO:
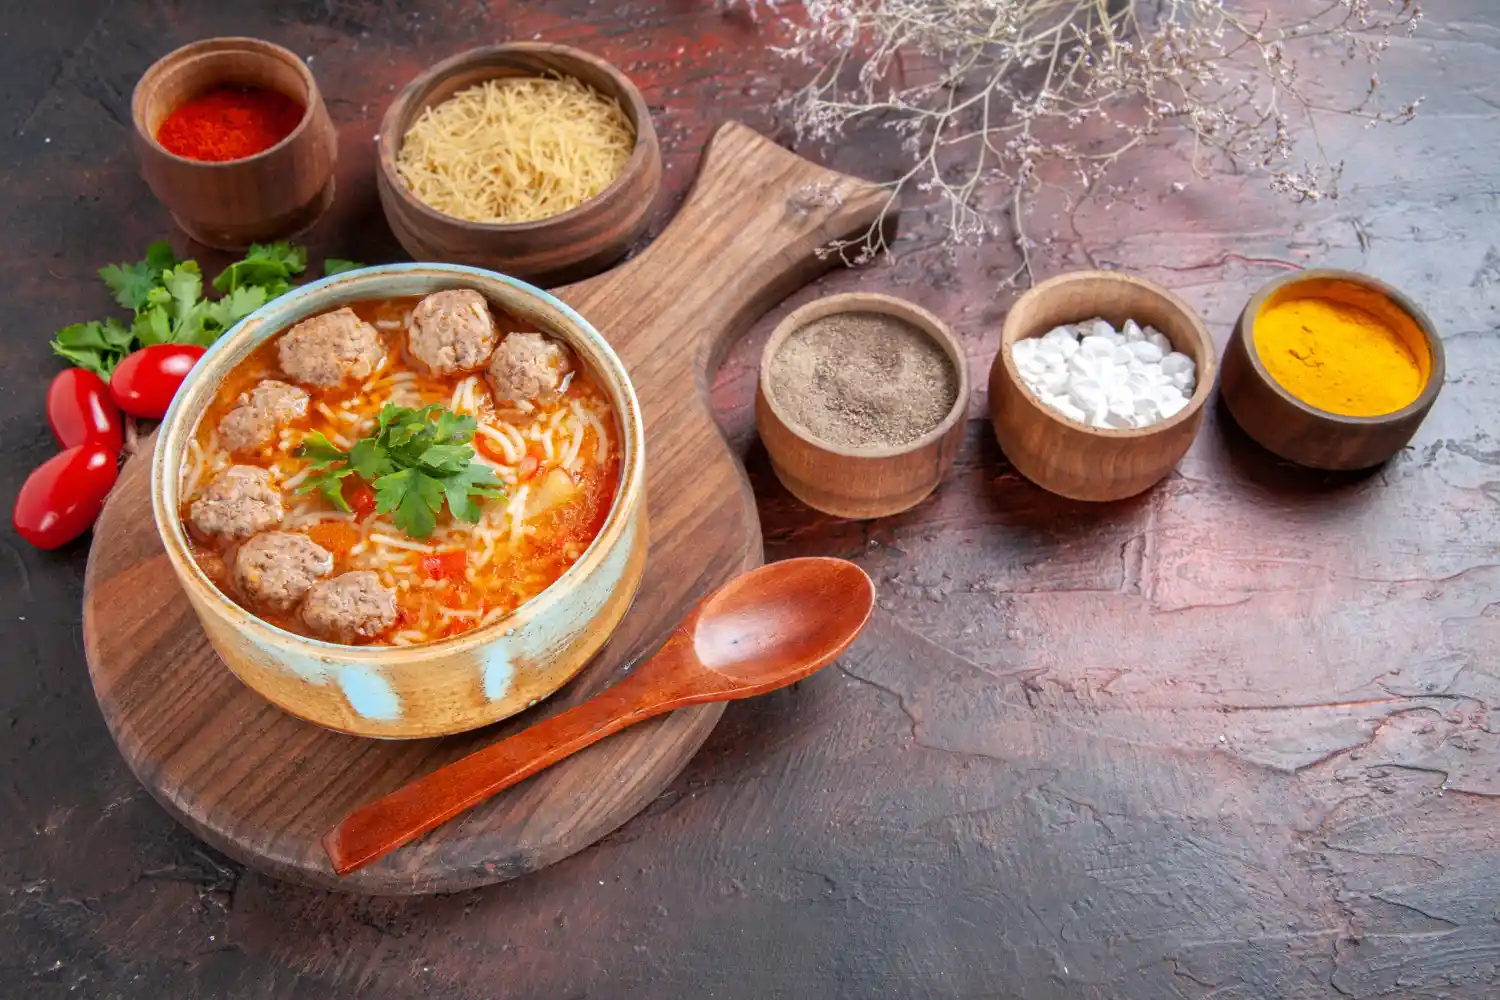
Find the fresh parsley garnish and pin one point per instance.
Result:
(338, 265)
(415, 461)
(167, 298)
(97, 346)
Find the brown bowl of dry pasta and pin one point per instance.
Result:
(535, 160)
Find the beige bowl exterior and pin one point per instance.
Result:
(456, 684)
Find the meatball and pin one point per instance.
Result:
(275, 568)
(351, 605)
(326, 350)
(260, 412)
(238, 504)
(527, 366)
(451, 331)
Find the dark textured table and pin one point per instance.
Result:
(1239, 737)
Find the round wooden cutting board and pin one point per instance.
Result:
(263, 787)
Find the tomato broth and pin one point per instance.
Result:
(557, 460)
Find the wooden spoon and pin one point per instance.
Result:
(760, 631)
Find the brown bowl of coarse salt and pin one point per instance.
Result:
(860, 404)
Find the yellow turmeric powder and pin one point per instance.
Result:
(1338, 357)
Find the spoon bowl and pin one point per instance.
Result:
(761, 631)
(757, 632)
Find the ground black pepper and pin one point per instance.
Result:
(863, 380)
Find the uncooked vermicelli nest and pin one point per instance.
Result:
(516, 149)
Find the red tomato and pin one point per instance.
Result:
(62, 498)
(359, 496)
(80, 411)
(445, 565)
(145, 382)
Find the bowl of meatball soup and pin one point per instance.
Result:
(406, 501)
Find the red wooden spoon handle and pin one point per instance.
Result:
(377, 828)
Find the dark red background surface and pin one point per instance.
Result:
(1235, 738)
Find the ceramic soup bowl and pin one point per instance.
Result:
(455, 684)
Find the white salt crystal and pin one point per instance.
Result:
(1096, 327)
(1176, 362)
(1144, 350)
(1087, 393)
(1096, 375)
(1097, 347)
(1067, 409)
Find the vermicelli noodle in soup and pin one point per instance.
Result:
(399, 471)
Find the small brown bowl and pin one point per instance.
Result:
(1073, 459)
(276, 194)
(567, 247)
(859, 482)
(1305, 434)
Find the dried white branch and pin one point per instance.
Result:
(987, 93)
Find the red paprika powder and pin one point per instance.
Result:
(229, 124)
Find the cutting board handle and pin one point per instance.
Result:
(755, 227)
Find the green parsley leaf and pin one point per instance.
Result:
(369, 460)
(94, 345)
(455, 428)
(329, 468)
(475, 481)
(413, 497)
(416, 461)
(152, 327)
(338, 265)
(329, 483)
(445, 459)
(319, 451)
(166, 296)
(130, 283)
(235, 306)
(268, 266)
(185, 283)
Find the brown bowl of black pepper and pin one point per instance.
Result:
(860, 404)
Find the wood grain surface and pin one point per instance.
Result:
(1233, 738)
(761, 631)
(264, 787)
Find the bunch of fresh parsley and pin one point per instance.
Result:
(165, 295)
(414, 461)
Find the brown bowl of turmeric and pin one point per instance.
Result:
(1332, 369)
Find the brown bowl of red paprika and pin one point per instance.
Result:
(234, 139)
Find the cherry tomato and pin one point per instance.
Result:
(145, 382)
(445, 565)
(62, 498)
(80, 411)
(359, 496)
